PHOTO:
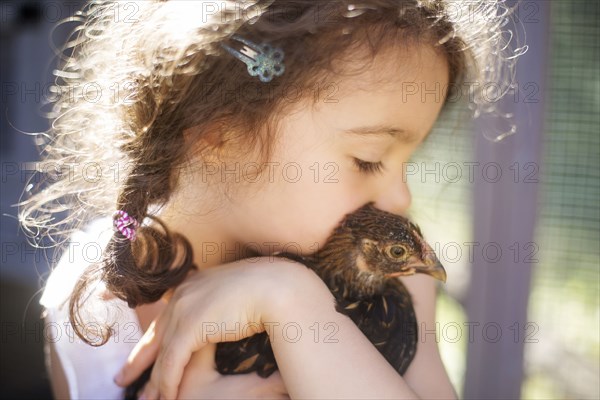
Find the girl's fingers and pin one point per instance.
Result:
(169, 329)
(171, 363)
(202, 381)
(199, 374)
(142, 356)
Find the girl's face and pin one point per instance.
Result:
(347, 150)
(331, 158)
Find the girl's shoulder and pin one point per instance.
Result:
(85, 246)
(88, 371)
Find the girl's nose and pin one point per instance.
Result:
(395, 198)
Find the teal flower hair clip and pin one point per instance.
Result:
(264, 60)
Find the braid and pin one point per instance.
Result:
(142, 271)
(138, 271)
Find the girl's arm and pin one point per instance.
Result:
(320, 353)
(426, 374)
(333, 359)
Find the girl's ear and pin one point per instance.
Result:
(206, 141)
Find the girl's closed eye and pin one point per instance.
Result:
(368, 167)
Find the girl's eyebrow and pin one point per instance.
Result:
(386, 130)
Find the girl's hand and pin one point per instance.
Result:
(225, 303)
(202, 381)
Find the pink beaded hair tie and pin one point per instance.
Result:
(125, 224)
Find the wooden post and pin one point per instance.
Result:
(505, 210)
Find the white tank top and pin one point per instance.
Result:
(89, 370)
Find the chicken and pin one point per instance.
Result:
(360, 263)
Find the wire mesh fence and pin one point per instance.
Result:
(563, 360)
(565, 363)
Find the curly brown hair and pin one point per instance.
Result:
(133, 92)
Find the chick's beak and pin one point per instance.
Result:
(434, 269)
(427, 264)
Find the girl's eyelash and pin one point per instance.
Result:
(368, 167)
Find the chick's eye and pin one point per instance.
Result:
(397, 251)
(368, 167)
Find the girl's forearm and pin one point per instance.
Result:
(322, 354)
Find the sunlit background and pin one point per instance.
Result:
(521, 324)
(560, 333)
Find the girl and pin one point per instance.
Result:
(199, 154)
